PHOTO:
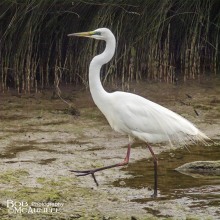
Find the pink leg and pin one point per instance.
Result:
(93, 171)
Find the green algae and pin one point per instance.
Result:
(13, 176)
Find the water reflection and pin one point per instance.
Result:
(171, 182)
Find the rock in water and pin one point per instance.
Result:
(207, 168)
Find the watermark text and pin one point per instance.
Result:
(19, 207)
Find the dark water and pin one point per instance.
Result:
(171, 183)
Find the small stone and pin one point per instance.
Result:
(106, 218)
(75, 216)
(122, 183)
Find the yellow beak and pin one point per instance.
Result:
(82, 34)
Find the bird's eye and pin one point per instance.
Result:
(98, 33)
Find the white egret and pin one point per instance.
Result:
(132, 114)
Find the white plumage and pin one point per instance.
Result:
(152, 123)
(132, 114)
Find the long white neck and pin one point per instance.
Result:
(99, 95)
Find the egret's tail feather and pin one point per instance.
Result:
(187, 139)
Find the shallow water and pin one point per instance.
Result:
(202, 191)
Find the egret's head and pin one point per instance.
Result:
(99, 34)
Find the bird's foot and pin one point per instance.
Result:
(154, 195)
(85, 173)
(93, 171)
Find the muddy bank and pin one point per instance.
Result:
(40, 141)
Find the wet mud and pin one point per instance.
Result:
(41, 141)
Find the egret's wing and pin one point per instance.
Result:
(151, 122)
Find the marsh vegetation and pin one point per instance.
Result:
(157, 40)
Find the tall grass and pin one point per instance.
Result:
(157, 40)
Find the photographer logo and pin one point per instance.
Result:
(19, 207)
